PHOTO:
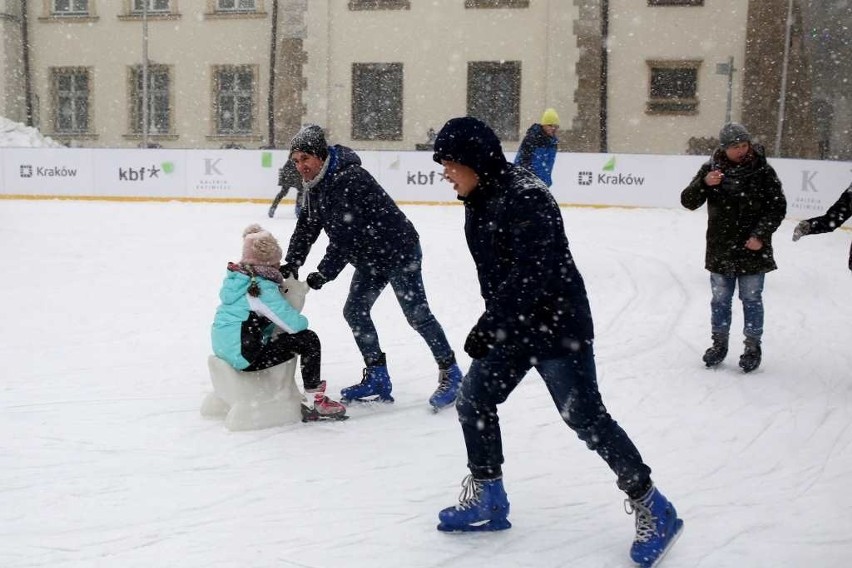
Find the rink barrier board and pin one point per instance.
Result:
(411, 178)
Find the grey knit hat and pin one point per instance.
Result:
(733, 133)
(310, 140)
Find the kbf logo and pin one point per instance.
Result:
(585, 178)
(26, 171)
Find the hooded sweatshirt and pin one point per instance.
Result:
(535, 298)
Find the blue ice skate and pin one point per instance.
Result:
(483, 506)
(657, 527)
(375, 383)
(449, 381)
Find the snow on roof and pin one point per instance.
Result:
(16, 135)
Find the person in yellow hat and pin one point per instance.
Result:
(537, 151)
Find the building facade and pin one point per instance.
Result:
(12, 88)
(650, 76)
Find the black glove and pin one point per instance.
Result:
(802, 229)
(316, 280)
(290, 268)
(478, 343)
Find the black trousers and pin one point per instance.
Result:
(305, 344)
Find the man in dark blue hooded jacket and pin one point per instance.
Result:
(536, 315)
(366, 229)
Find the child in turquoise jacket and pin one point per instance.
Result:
(255, 327)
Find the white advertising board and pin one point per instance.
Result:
(630, 180)
(47, 171)
(233, 174)
(812, 186)
(134, 173)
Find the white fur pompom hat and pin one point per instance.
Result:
(260, 248)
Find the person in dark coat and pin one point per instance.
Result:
(537, 315)
(288, 178)
(537, 151)
(366, 229)
(836, 215)
(745, 205)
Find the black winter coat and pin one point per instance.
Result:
(836, 215)
(364, 225)
(535, 298)
(748, 203)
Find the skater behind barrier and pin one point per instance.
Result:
(366, 229)
(537, 151)
(256, 328)
(745, 205)
(288, 178)
(536, 315)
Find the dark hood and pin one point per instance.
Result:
(472, 143)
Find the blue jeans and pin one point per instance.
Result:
(407, 284)
(751, 295)
(572, 383)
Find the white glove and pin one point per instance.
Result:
(802, 229)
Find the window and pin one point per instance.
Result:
(159, 102)
(675, 2)
(235, 100)
(156, 6)
(673, 87)
(70, 8)
(71, 90)
(494, 94)
(379, 4)
(496, 3)
(377, 101)
(236, 5)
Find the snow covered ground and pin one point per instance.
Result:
(106, 461)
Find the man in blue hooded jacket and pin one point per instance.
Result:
(536, 315)
(366, 229)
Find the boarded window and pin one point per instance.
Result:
(673, 87)
(494, 94)
(377, 101)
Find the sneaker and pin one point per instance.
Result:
(657, 527)
(483, 506)
(750, 359)
(449, 381)
(718, 351)
(375, 382)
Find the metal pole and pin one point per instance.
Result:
(782, 99)
(270, 102)
(730, 88)
(28, 86)
(603, 93)
(145, 74)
